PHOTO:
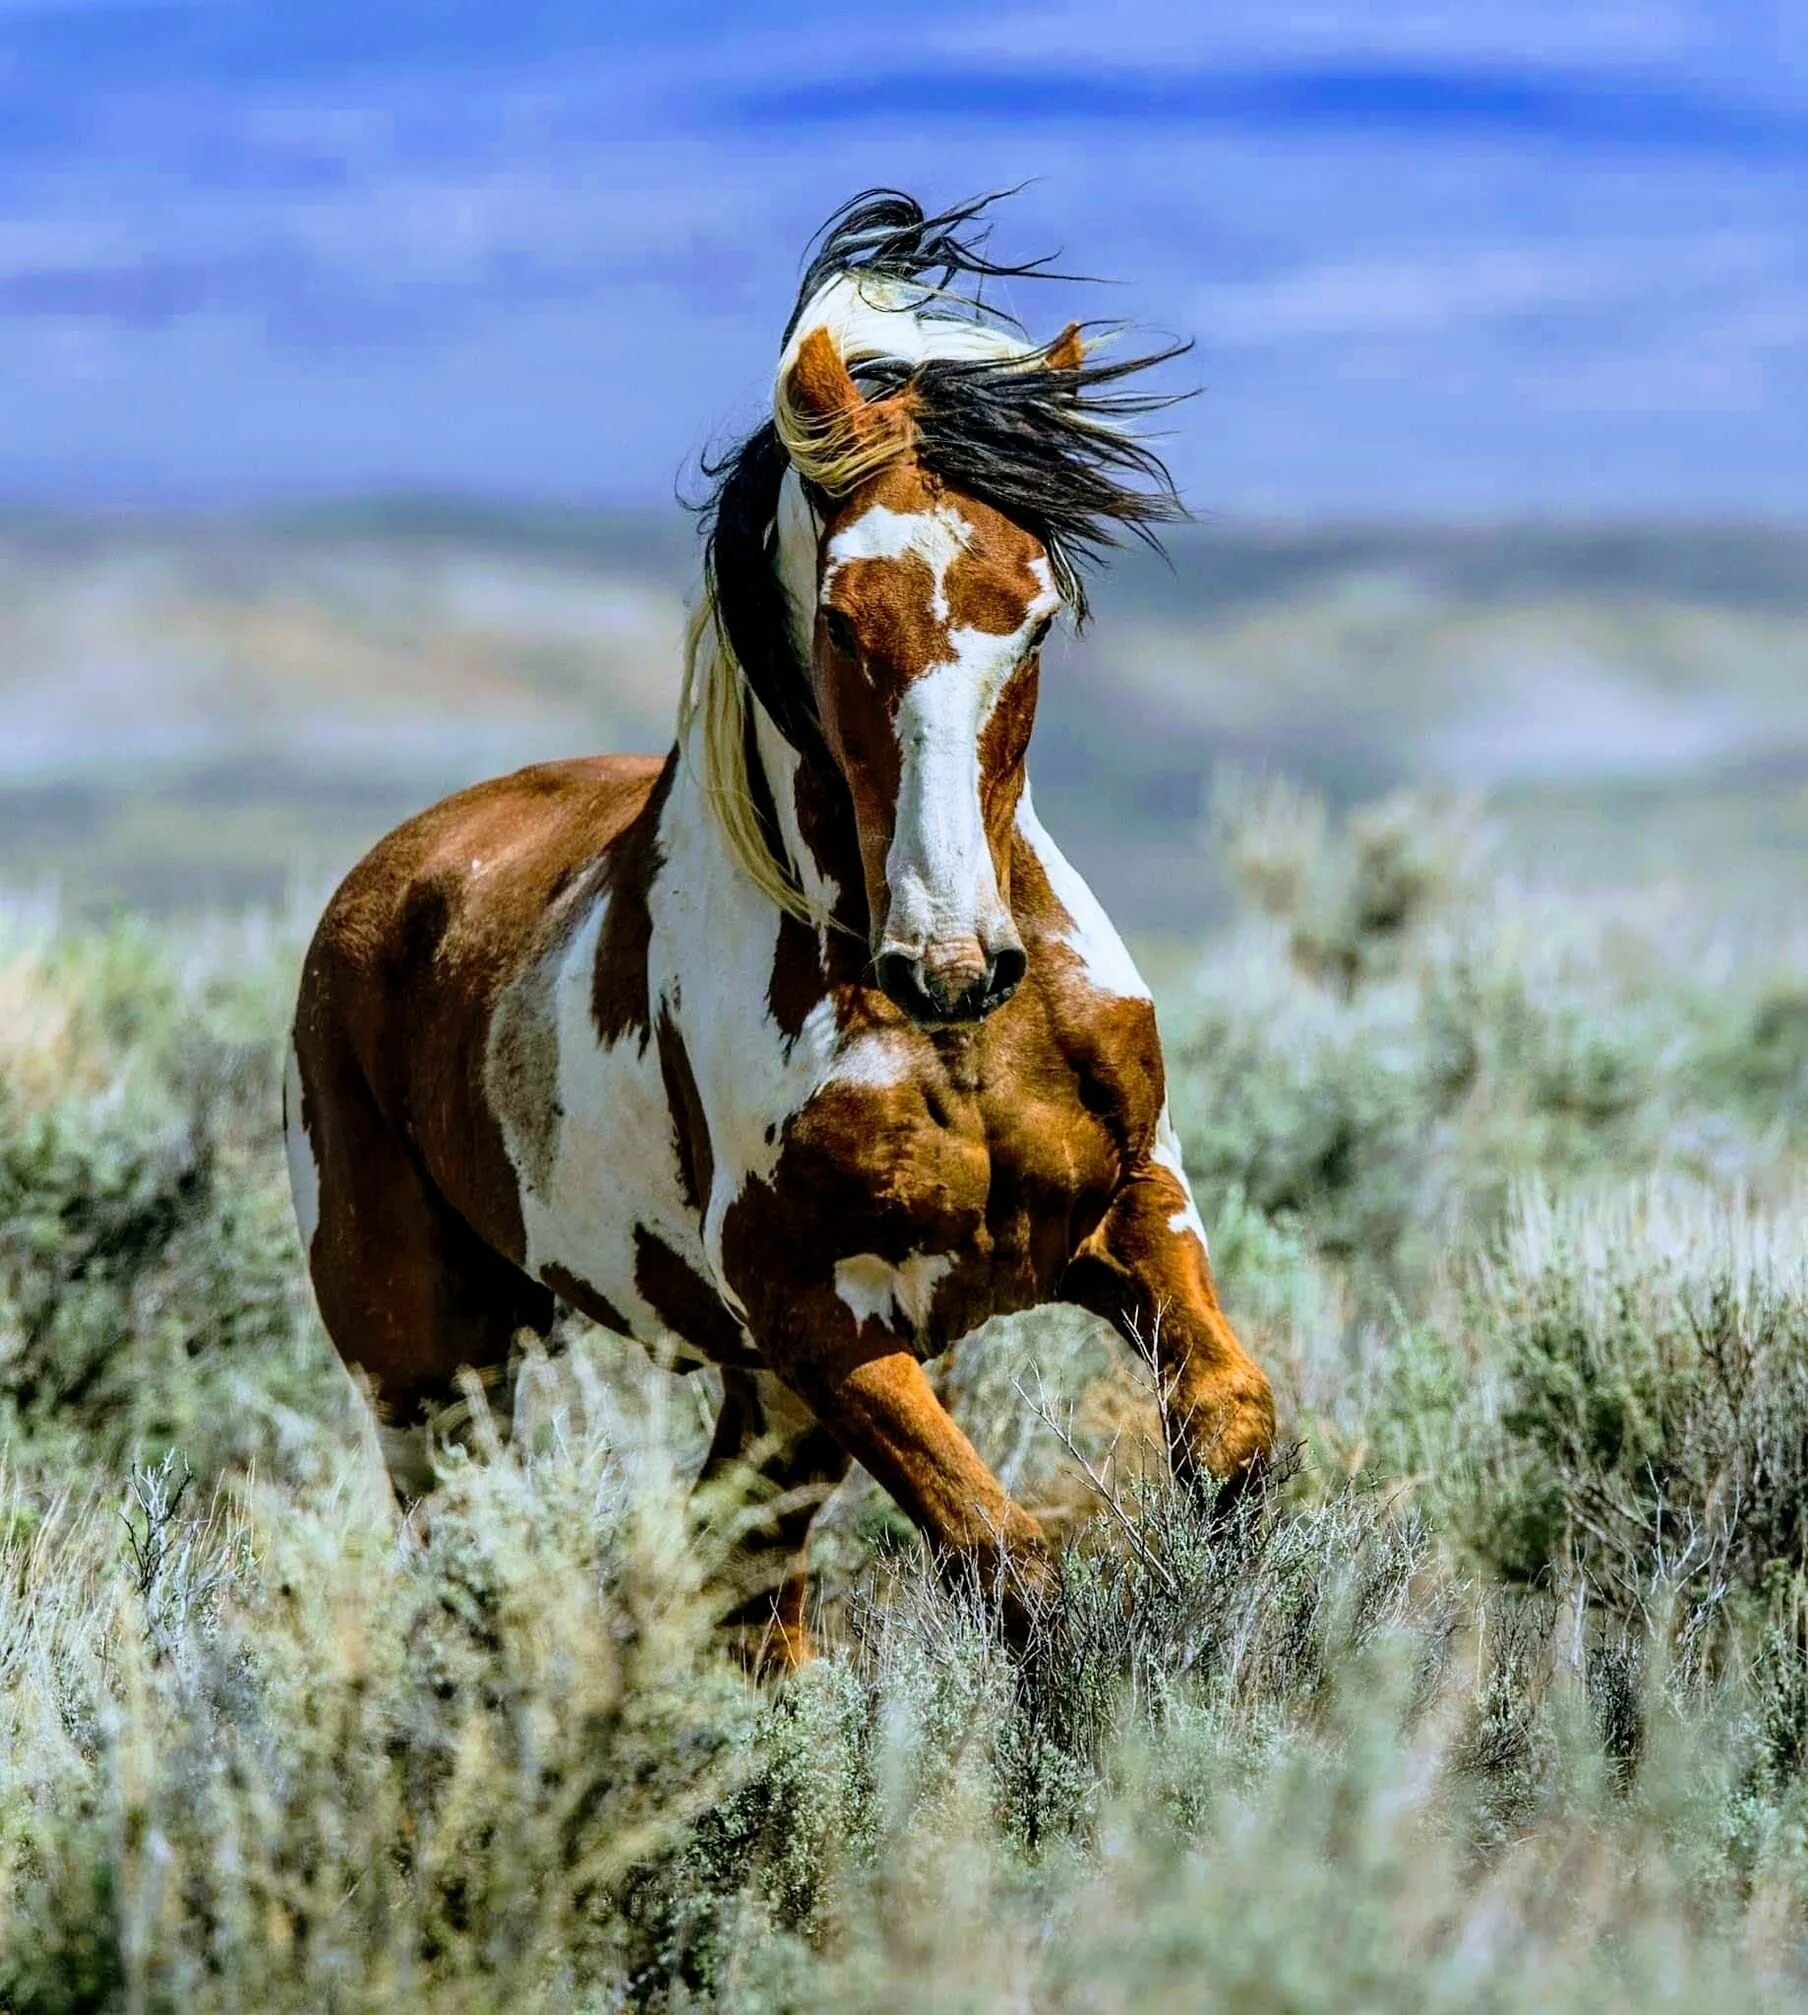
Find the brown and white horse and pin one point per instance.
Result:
(804, 1048)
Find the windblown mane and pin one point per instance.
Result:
(1046, 443)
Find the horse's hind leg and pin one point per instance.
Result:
(409, 1293)
(778, 1464)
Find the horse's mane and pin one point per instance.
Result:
(900, 293)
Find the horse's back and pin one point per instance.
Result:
(461, 888)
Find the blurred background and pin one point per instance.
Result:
(352, 361)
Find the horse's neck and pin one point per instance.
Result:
(815, 839)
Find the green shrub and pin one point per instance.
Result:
(1386, 1100)
(325, 1772)
(150, 1291)
(1499, 1701)
(1644, 1399)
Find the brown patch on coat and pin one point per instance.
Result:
(690, 1128)
(414, 953)
(825, 821)
(1109, 1042)
(620, 1003)
(409, 1292)
(1003, 744)
(986, 1149)
(685, 1302)
(579, 1294)
(993, 582)
(796, 983)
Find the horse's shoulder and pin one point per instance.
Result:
(1095, 1016)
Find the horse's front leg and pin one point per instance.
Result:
(1145, 1270)
(865, 1384)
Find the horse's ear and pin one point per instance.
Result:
(1067, 352)
(832, 432)
(819, 385)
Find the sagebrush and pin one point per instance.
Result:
(1497, 1699)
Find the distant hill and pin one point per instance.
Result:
(205, 710)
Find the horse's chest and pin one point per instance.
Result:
(978, 1177)
(1049, 1170)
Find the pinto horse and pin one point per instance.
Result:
(804, 1050)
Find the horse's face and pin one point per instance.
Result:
(931, 610)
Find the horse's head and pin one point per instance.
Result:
(886, 558)
(931, 610)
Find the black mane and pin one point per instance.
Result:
(1048, 448)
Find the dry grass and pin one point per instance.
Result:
(1499, 1702)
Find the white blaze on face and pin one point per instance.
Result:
(939, 870)
(304, 1174)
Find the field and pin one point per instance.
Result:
(198, 712)
(1498, 1700)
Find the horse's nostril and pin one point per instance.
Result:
(1005, 973)
(901, 979)
(926, 996)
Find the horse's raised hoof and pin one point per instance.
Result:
(1222, 1443)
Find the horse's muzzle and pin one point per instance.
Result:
(957, 990)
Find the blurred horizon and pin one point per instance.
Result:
(223, 710)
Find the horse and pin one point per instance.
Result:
(803, 1050)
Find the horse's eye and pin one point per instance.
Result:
(839, 628)
(1039, 636)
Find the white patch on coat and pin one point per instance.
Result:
(937, 537)
(304, 1171)
(714, 942)
(875, 1060)
(938, 871)
(1091, 935)
(1166, 1154)
(614, 1163)
(873, 1290)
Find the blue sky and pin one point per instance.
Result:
(1527, 256)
